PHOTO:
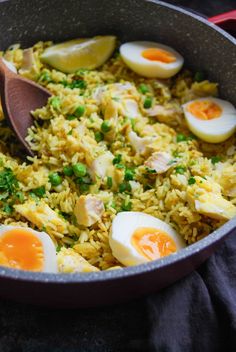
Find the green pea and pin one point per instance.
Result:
(99, 136)
(180, 138)
(117, 159)
(125, 186)
(79, 169)
(122, 187)
(191, 181)
(71, 117)
(68, 170)
(143, 88)
(129, 174)
(80, 110)
(55, 179)
(109, 182)
(126, 206)
(147, 103)
(39, 192)
(105, 126)
(180, 170)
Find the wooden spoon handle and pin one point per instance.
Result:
(2, 74)
(5, 74)
(4, 70)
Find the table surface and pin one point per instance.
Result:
(118, 328)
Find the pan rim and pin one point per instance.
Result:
(196, 16)
(109, 275)
(122, 273)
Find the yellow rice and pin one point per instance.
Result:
(58, 142)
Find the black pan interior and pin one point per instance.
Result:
(202, 46)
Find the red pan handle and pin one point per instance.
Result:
(226, 21)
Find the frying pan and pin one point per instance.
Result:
(204, 47)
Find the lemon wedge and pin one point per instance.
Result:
(88, 53)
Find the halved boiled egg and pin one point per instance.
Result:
(27, 249)
(137, 238)
(212, 120)
(150, 59)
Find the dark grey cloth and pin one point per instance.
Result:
(198, 313)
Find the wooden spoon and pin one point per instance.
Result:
(20, 96)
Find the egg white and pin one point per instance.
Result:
(216, 130)
(123, 227)
(49, 251)
(131, 54)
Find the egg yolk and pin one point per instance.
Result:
(21, 249)
(153, 243)
(154, 54)
(205, 110)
